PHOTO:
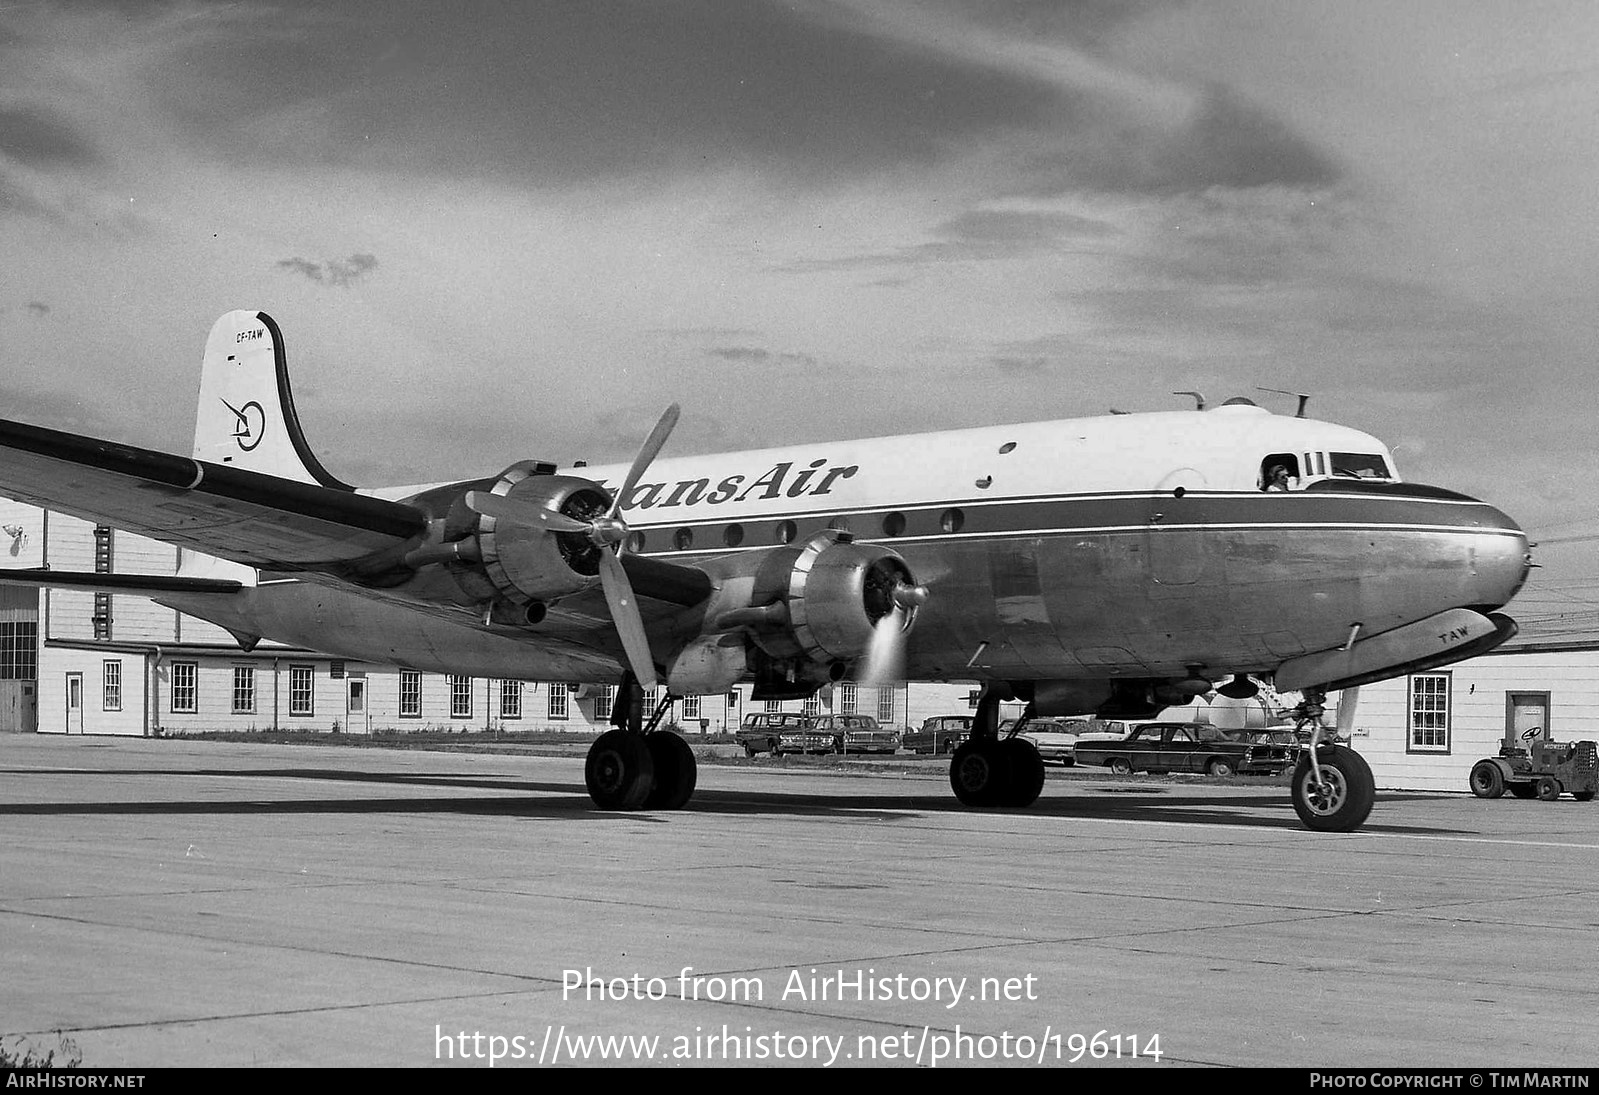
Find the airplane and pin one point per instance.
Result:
(1109, 565)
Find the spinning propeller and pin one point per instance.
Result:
(885, 657)
(605, 532)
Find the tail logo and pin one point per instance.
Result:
(249, 424)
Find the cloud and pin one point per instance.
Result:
(336, 272)
(752, 355)
(38, 308)
(34, 137)
(979, 235)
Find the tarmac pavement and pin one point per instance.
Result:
(170, 902)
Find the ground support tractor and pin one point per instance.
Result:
(1544, 770)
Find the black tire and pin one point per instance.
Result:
(676, 772)
(1220, 766)
(1522, 790)
(1487, 781)
(619, 771)
(1026, 772)
(1343, 805)
(1549, 788)
(1119, 766)
(979, 773)
(750, 750)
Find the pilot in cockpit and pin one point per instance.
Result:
(1277, 478)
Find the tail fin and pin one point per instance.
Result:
(246, 416)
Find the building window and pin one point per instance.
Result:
(557, 709)
(185, 688)
(812, 705)
(510, 699)
(243, 690)
(19, 651)
(410, 694)
(604, 700)
(691, 707)
(846, 699)
(113, 686)
(302, 693)
(885, 705)
(460, 697)
(773, 706)
(1429, 712)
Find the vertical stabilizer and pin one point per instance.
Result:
(246, 415)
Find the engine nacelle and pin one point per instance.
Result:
(525, 560)
(819, 602)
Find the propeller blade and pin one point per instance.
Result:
(885, 657)
(499, 507)
(646, 455)
(625, 614)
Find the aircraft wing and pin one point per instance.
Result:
(252, 518)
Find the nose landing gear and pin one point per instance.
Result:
(1333, 789)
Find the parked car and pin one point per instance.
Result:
(939, 734)
(804, 737)
(856, 733)
(1183, 747)
(759, 732)
(1055, 739)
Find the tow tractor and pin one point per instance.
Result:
(1539, 769)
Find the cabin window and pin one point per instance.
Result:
(1279, 471)
(1360, 465)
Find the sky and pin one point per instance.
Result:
(499, 231)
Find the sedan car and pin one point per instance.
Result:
(1183, 747)
(1056, 739)
(939, 734)
(856, 733)
(760, 730)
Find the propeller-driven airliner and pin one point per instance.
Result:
(1111, 565)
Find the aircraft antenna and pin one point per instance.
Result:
(1198, 398)
(1303, 398)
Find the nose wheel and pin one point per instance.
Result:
(1333, 789)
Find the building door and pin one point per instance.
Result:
(1526, 717)
(355, 705)
(74, 703)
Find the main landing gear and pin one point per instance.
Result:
(987, 770)
(1333, 789)
(637, 766)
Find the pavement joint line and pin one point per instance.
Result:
(257, 944)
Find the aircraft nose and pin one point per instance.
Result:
(1501, 555)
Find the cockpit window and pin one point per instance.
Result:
(1360, 465)
(1279, 471)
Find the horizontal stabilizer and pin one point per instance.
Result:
(123, 583)
(250, 517)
